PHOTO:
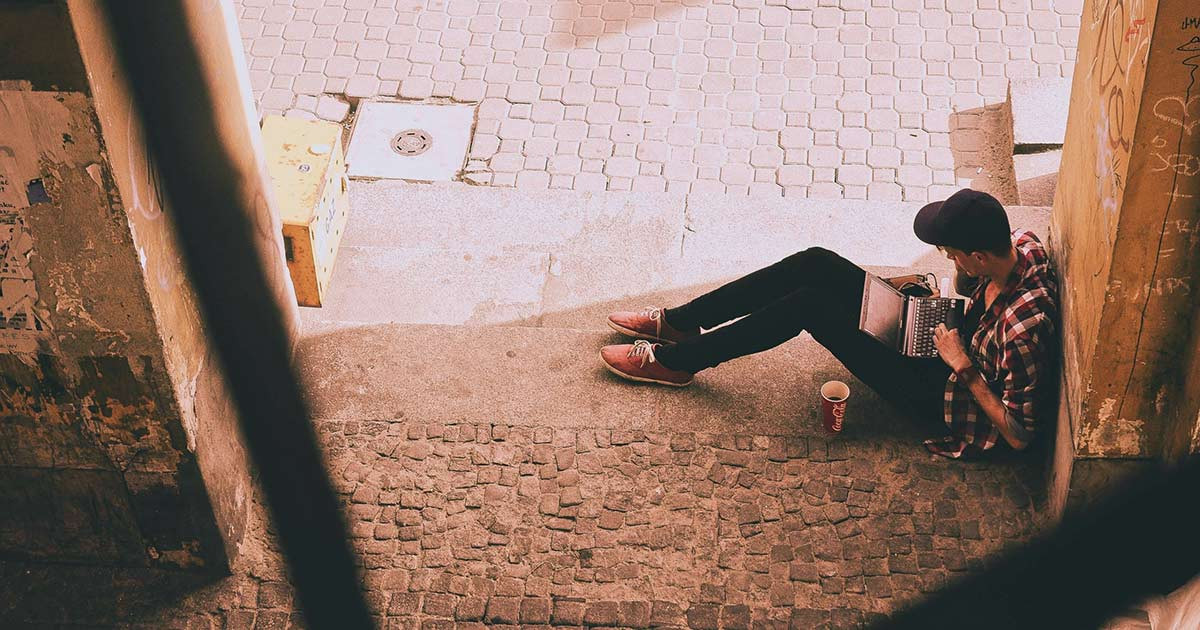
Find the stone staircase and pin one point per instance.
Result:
(495, 473)
(461, 304)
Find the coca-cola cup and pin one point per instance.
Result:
(833, 405)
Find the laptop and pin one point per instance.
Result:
(903, 322)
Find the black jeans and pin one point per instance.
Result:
(814, 290)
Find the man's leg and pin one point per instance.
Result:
(832, 319)
(814, 268)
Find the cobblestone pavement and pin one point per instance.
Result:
(819, 98)
(495, 525)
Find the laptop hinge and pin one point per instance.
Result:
(906, 324)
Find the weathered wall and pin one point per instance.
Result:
(1147, 319)
(1105, 97)
(118, 443)
(1125, 227)
(207, 413)
(94, 465)
(1183, 433)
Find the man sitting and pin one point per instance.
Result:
(994, 387)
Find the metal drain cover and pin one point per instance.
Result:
(394, 140)
(412, 142)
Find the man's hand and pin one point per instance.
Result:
(950, 348)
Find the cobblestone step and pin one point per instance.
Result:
(474, 525)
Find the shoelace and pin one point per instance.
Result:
(644, 349)
(655, 315)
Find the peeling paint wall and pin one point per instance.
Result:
(1126, 223)
(49, 61)
(93, 462)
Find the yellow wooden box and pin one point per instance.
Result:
(308, 171)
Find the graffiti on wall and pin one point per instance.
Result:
(1172, 153)
(1182, 111)
(1121, 42)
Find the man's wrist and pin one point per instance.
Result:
(966, 371)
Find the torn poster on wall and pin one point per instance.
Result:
(20, 326)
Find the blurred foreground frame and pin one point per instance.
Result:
(1137, 541)
(163, 62)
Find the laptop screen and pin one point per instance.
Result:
(882, 310)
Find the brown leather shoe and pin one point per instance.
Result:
(648, 324)
(636, 362)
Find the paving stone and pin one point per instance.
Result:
(535, 611)
(602, 613)
(470, 609)
(503, 610)
(703, 616)
(635, 614)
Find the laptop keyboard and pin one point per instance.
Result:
(930, 313)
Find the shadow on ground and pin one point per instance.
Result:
(593, 21)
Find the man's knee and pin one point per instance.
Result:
(813, 257)
(818, 253)
(817, 260)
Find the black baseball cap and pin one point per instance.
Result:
(969, 220)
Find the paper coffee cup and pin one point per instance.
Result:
(834, 395)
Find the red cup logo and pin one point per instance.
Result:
(839, 413)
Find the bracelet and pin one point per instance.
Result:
(965, 373)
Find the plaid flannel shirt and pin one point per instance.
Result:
(1013, 346)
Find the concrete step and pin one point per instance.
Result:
(554, 377)
(702, 229)
(376, 285)
(430, 286)
(476, 218)
(456, 254)
(1037, 176)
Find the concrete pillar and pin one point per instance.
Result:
(118, 440)
(1125, 227)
